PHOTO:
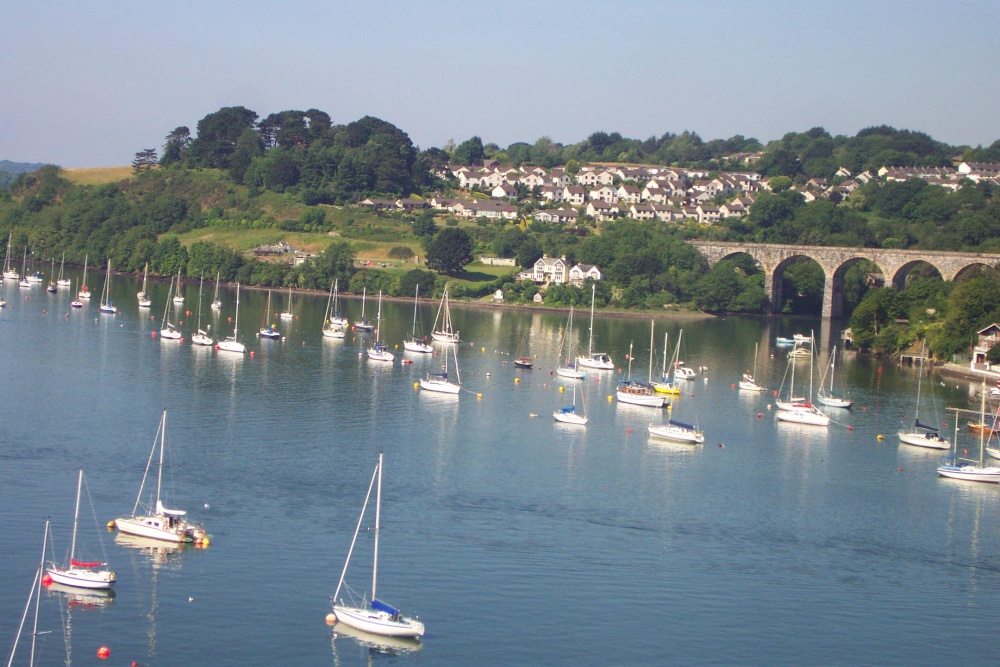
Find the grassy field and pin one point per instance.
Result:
(96, 175)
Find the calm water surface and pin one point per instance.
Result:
(516, 540)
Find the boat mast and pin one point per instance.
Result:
(378, 511)
(569, 335)
(590, 346)
(38, 592)
(416, 295)
(756, 346)
(357, 529)
(666, 335)
(652, 326)
(812, 355)
(200, 286)
(982, 430)
(920, 377)
(630, 362)
(236, 322)
(76, 516)
(159, 475)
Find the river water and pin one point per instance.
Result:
(516, 540)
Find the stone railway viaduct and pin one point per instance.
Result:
(894, 265)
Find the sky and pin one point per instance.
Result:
(88, 84)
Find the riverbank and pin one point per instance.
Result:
(962, 371)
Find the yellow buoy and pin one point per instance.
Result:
(205, 542)
(416, 384)
(517, 380)
(484, 349)
(878, 437)
(609, 398)
(111, 524)
(561, 389)
(479, 395)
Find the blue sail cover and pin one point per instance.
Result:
(681, 424)
(378, 605)
(571, 408)
(925, 426)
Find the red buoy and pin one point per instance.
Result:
(251, 354)
(152, 334)
(103, 653)
(732, 386)
(46, 579)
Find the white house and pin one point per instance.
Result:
(604, 193)
(504, 191)
(602, 211)
(575, 195)
(550, 270)
(579, 274)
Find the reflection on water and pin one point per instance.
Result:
(374, 646)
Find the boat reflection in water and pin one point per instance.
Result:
(83, 598)
(376, 644)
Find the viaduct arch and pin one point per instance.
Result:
(895, 265)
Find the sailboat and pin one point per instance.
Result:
(52, 278)
(639, 393)
(178, 297)
(36, 591)
(334, 316)
(440, 382)
(665, 385)
(568, 370)
(79, 573)
(288, 314)
(413, 343)
(373, 616)
(167, 329)
(970, 470)
(749, 381)
(922, 435)
(569, 415)
(76, 303)
(106, 305)
(379, 351)
(63, 281)
(9, 273)
(828, 398)
(363, 324)
(596, 360)
(333, 324)
(34, 276)
(446, 334)
(801, 411)
(216, 302)
(162, 523)
(142, 296)
(266, 330)
(84, 292)
(682, 372)
(678, 431)
(201, 337)
(23, 281)
(232, 343)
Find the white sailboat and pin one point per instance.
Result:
(143, 296)
(288, 314)
(922, 435)
(232, 343)
(266, 330)
(106, 305)
(596, 360)
(441, 382)
(373, 616)
(446, 334)
(216, 302)
(665, 385)
(52, 278)
(201, 336)
(798, 412)
(379, 351)
(84, 292)
(160, 523)
(569, 415)
(639, 393)
(749, 380)
(682, 372)
(63, 281)
(568, 370)
(81, 574)
(167, 329)
(76, 303)
(9, 273)
(178, 297)
(828, 398)
(24, 281)
(334, 326)
(413, 343)
(363, 324)
(335, 317)
(970, 470)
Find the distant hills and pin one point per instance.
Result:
(9, 170)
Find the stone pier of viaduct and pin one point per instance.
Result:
(893, 264)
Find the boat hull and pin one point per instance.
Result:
(333, 333)
(832, 402)
(666, 388)
(159, 528)
(417, 346)
(971, 473)
(677, 434)
(645, 400)
(200, 339)
(569, 418)
(380, 355)
(920, 439)
(597, 361)
(170, 334)
(445, 337)
(83, 578)
(232, 346)
(570, 373)
(746, 385)
(439, 386)
(378, 622)
(807, 417)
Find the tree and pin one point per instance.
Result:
(176, 147)
(218, 134)
(449, 251)
(408, 282)
(423, 224)
(469, 152)
(144, 160)
(336, 263)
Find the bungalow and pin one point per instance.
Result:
(504, 191)
(601, 211)
(732, 209)
(492, 210)
(581, 272)
(565, 215)
(641, 211)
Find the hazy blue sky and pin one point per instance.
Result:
(90, 83)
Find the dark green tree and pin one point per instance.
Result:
(469, 152)
(218, 134)
(449, 250)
